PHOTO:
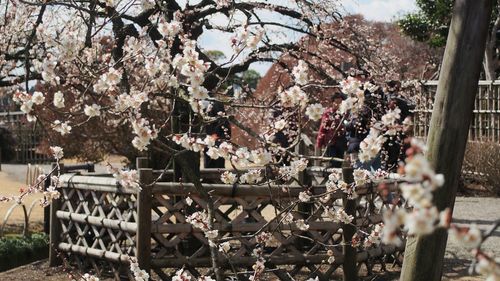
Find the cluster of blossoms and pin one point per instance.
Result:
(108, 81)
(300, 73)
(294, 96)
(27, 102)
(201, 221)
(127, 179)
(355, 96)
(144, 133)
(242, 157)
(421, 181)
(190, 66)
(338, 215)
(315, 111)
(370, 147)
(246, 38)
(296, 166)
(62, 127)
(139, 274)
(374, 239)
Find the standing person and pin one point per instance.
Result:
(332, 132)
(359, 126)
(284, 130)
(221, 129)
(395, 148)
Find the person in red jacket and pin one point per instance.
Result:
(332, 131)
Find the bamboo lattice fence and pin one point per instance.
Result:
(100, 224)
(485, 125)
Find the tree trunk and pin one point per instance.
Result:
(489, 63)
(458, 82)
(490, 60)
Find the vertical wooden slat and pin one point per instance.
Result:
(490, 113)
(144, 198)
(55, 229)
(349, 268)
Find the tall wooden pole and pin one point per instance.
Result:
(350, 269)
(55, 227)
(144, 202)
(451, 117)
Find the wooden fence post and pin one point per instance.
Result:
(451, 116)
(349, 268)
(46, 211)
(55, 227)
(144, 198)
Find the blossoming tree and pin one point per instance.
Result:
(139, 66)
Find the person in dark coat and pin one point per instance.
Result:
(394, 148)
(332, 131)
(221, 129)
(284, 137)
(359, 127)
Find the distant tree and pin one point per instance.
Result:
(215, 55)
(430, 24)
(249, 78)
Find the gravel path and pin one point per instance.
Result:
(484, 212)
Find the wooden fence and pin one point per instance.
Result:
(485, 125)
(27, 136)
(101, 224)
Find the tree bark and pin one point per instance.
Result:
(490, 59)
(450, 122)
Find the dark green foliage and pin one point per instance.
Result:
(430, 23)
(16, 251)
(251, 78)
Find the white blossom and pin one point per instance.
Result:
(300, 74)
(315, 111)
(61, 127)
(228, 177)
(251, 177)
(38, 98)
(57, 152)
(58, 99)
(127, 179)
(261, 157)
(292, 97)
(181, 275)
(224, 247)
(169, 29)
(302, 225)
(469, 237)
(421, 221)
(371, 145)
(92, 110)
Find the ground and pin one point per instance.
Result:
(480, 210)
